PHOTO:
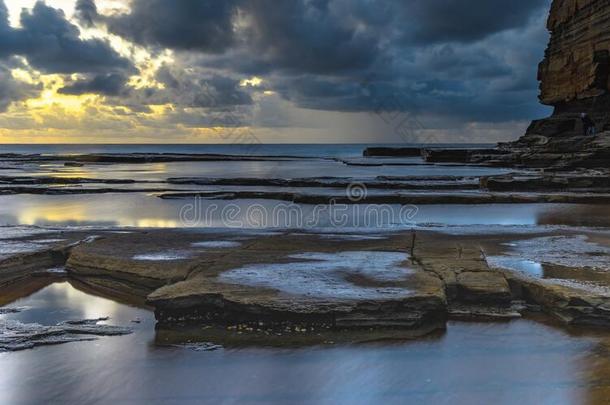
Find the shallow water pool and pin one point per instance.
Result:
(502, 363)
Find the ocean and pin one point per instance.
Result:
(320, 150)
(124, 204)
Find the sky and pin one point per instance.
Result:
(269, 71)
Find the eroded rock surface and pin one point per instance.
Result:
(15, 336)
(136, 263)
(292, 282)
(585, 181)
(472, 288)
(576, 66)
(568, 276)
(327, 286)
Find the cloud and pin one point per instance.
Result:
(3, 16)
(448, 61)
(420, 54)
(52, 44)
(196, 25)
(436, 21)
(195, 88)
(306, 36)
(12, 90)
(86, 12)
(113, 84)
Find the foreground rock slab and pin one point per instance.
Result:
(284, 281)
(271, 283)
(301, 279)
(338, 295)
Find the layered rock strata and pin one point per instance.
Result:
(574, 79)
(300, 282)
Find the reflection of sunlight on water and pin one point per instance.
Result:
(65, 172)
(101, 171)
(89, 210)
(529, 267)
(148, 211)
(47, 213)
(154, 223)
(89, 306)
(158, 168)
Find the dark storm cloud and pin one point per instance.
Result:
(306, 36)
(230, 118)
(439, 56)
(434, 21)
(487, 72)
(202, 25)
(113, 84)
(194, 89)
(472, 60)
(317, 53)
(52, 44)
(3, 16)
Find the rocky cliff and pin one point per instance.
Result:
(575, 72)
(574, 78)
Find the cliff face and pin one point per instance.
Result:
(574, 78)
(575, 73)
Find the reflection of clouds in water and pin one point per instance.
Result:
(61, 211)
(90, 306)
(8, 219)
(162, 256)
(569, 251)
(148, 211)
(143, 171)
(216, 244)
(514, 263)
(59, 302)
(540, 257)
